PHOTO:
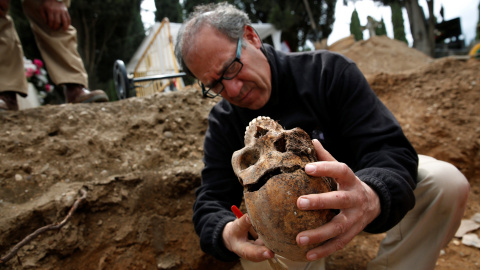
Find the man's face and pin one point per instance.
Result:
(213, 52)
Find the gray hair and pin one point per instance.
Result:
(224, 17)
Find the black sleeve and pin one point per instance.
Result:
(220, 189)
(373, 144)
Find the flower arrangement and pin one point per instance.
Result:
(37, 75)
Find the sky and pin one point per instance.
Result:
(467, 10)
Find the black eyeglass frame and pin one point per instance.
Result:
(209, 93)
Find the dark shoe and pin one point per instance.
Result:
(8, 101)
(75, 93)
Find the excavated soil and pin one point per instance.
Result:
(140, 160)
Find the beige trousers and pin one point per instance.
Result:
(415, 243)
(58, 49)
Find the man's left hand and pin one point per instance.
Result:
(358, 204)
(55, 14)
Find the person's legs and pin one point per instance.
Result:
(441, 197)
(58, 48)
(12, 73)
(63, 62)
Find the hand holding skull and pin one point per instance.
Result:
(235, 238)
(358, 204)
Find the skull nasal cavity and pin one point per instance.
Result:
(249, 158)
(260, 132)
(280, 144)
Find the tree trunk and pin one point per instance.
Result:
(418, 27)
(431, 27)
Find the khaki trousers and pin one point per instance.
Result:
(415, 243)
(58, 49)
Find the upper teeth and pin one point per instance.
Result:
(255, 121)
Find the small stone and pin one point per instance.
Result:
(45, 168)
(466, 226)
(18, 177)
(471, 239)
(68, 198)
(476, 217)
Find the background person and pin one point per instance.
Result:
(57, 41)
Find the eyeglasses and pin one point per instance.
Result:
(230, 72)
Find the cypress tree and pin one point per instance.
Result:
(170, 9)
(355, 28)
(398, 23)
(381, 30)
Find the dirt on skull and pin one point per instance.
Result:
(140, 160)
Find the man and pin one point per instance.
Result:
(57, 41)
(376, 168)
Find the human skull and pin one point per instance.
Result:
(271, 168)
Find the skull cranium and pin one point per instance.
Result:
(271, 169)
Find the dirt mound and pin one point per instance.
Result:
(381, 54)
(140, 160)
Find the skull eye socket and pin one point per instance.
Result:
(249, 158)
(280, 144)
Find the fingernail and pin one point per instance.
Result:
(266, 254)
(248, 220)
(304, 203)
(309, 168)
(303, 240)
(312, 257)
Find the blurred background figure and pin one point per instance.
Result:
(56, 39)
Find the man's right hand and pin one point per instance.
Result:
(4, 8)
(235, 238)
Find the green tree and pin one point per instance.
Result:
(381, 30)
(398, 22)
(169, 9)
(106, 30)
(355, 27)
